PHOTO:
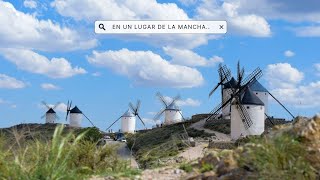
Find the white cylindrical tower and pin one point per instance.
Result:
(75, 117)
(128, 122)
(262, 94)
(255, 108)
(172, 114)
(50, 116)
(227, 89)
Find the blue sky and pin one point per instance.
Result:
(49, 51)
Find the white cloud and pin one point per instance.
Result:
(317, 66)
(147, 68)
(242, 23)
(21, 30)
(30, 61)
(48, 86)
(96, 74)
(287, 85)
(283, 75)
(151, 121)
(293, 11)
(184, 102)
(289, 53)
(118, 10)
(307, 96)
(189, 58)
(308, 31)
(30, 4)
(188, 2)
(7, 103)
(8, 82)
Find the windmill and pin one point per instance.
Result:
(75, 116)
(128, 119)
(172, 112)
(244, 104)
(51, 116)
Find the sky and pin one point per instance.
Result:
(49, 52)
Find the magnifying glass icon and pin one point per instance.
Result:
(101, 26)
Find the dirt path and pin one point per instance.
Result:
(220, 136)
(124, 152)
(193, 153)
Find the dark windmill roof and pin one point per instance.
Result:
(75, 110)
(173, 106)
(230, 84)
(51, 111)
(256, 86)
(250, 98)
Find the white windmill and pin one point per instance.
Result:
(51, 116)
(173, 113)
(75, 116)
(128, 119)
(247, 115)
(262, 93)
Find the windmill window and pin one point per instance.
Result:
(257, 93)
(265, 93)
(248, 107)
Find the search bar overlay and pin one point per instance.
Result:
(160, 27)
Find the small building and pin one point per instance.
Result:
(128, 122)
(255, 108)
(173, 114)
(75, 117)
(50, 116)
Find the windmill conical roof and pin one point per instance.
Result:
(250, 98)
(75, 110)
(256, 86)
(230, 84)
(128, 113)
(51, 111)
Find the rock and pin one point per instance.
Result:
(227, 164)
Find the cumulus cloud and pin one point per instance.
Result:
(239, 22)
(189, 58)
(147, 68)
(21, 30)
(308, 31)
(7, 103)
(289, 53)
(30, 4)
(283, 75)
(30, 61)
(184, 102)
(49, 86)
(119, 10)
(8, 82)
(287, 85)
(317, 68)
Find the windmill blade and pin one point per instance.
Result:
(268, 118)
(214, 89)
(256, 74)
(182, 116)
(132, 108)
(57, 104)
(162, 99)
(158, 115)
(141, 120)
(281, 105)
(45, 104)
(113, 123)
(138, 105)
(57, 117)
(245, 116)
(238, 71)
(68, 110)
(43, 116)
(88, 119)
(175, 99)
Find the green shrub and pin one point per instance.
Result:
(186, 167)
(91, 134)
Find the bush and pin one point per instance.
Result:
(91, 134)
(63, 157)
